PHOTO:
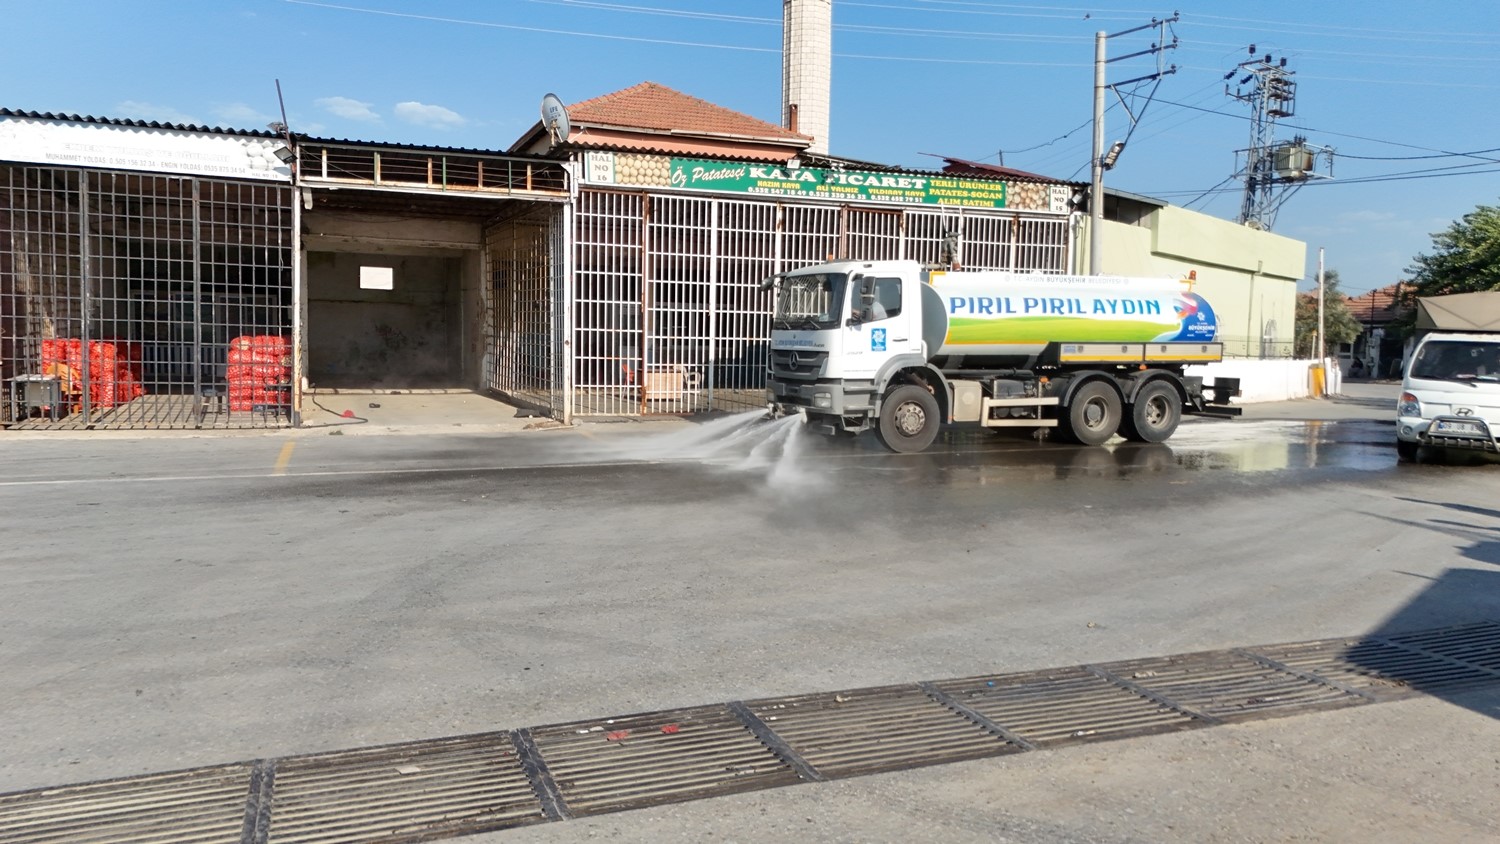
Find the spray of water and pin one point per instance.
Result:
(745, 442)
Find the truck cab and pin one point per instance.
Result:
(1450, 395)
(836, 331)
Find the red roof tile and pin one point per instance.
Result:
(1377, 306)
(656, 107)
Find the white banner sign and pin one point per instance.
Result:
(108, 147)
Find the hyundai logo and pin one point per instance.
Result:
(1464, 411)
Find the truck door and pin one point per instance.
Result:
(879, 327)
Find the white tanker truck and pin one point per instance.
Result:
(894, 347)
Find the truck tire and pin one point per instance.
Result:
(908, 419)
(1093, 414)
(1154, 415)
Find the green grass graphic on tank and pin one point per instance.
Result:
(1043, 329)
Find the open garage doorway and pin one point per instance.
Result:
(382, 321)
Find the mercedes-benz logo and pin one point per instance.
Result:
(794, 361)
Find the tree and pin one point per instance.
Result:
(1465, 258)
(1339, 324)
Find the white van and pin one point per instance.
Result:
(1450, 396)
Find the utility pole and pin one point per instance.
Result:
(1321, 345)
(1102, 159)
(1268, 165)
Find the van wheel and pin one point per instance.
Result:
(1093, 416)
(908, 419)
(1154, 414)
(1406, 451)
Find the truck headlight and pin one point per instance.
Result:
(1408, 405)
(822, 400)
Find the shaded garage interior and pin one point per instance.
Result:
(408, 336)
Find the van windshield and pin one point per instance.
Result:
(1455, 360)
(809, 300)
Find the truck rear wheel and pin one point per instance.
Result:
(1093, 415)
(1154, 414)
(908, 419)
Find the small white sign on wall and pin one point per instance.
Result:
(377, 278)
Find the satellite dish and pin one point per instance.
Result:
(555, 118)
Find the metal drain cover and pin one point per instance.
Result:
(844, 734)
(404, 792)
(1048, 708)
(1227, 685)
(202, 806)
(660, 757)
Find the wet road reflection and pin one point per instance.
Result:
(1240, 447)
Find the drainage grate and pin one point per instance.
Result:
(185, 807)
(1476, 645)
(868, 730)
(1049, 708)
(443, 788)
(1372, 667)
(1227, 685)
(660, 757)
(404, 792)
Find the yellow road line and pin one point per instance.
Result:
(284, 458)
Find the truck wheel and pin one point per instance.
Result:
(908, 419)
(1093, 415)
(1406, 451)
(1154, 415)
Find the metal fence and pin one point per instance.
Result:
(132, 300)
(1256, 348)
(669, 316)
(523, 302)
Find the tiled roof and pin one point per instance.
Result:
(1377, 306)
(656, 107)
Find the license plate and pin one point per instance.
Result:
(1448, 426)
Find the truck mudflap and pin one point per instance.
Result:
(1216, 401)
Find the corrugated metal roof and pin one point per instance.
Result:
(135, 124)
(248, 133)
(976, 168)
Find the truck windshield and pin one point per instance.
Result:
(1457, 361)
(809, 300)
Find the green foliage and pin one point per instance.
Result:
(1465, 257)
(1339, 324)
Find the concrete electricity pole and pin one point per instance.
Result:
(1102, 159)
(1321, 345)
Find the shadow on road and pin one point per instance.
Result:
(1466, 601)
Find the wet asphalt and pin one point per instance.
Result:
(181, 602)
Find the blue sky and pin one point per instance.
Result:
(1397, 89)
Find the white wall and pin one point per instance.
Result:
(1271, 380)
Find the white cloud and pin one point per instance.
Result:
(429, 115)
(137, 110)
(347, 108)
(242, 116)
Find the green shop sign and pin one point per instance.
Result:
(816, 183)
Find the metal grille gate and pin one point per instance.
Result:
(524, 359)
(668, 314)
(142, 301)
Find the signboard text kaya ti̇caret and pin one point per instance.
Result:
(812, 182)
